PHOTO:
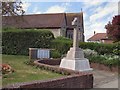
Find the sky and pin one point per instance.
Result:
(96, 14)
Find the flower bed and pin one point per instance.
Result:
(6, 69)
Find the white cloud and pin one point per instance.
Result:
(110, 8)
(99, 17)
(53, 9)
(89, 4)
(93, 3)
(36, 10)
(66, 4)
(25, 6)
(56, 9)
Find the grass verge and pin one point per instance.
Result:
(24, 72)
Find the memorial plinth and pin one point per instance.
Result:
(75, 57)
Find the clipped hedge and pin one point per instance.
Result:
(61, 44)
(100, 47)
(17, 42)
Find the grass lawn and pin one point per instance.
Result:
(24, 72)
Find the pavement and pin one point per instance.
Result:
(105, 79)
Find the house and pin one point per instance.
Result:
(58, 23)
(100, 38)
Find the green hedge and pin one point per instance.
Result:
(17, 42)
(61, 44)
(101, 48)
(55, 54)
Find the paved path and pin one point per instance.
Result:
(104, 79)
(111, 84)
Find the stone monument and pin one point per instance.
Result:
(75, 57)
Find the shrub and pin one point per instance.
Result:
(88, 45)
(116, 51)
(96, 58)
(55, 54)
(99, 47)
(109, 60)
(61, 44)
(18, 42)
(89, 52)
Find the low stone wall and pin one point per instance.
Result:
(73, 81)
(57, 69)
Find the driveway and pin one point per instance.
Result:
(105, 79)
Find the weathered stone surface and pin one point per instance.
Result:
(77, 64)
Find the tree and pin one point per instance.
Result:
(11, 8)
(113, 28)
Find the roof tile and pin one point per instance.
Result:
(97, 37)
(55, 20)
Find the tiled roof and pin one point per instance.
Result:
(34, 21)
(55, 20)
(97, 37)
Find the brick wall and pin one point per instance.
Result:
(73, 81)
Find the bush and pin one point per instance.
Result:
(61, 44)
(17, 42)
(96, 59)
(109, 60)
(55, 54)
(89, 52)
(116, 51)
(99, 47)
(110, 63)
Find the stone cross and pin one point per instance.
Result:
(74, 59)
(76, 26)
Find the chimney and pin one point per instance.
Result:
(94, 32)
